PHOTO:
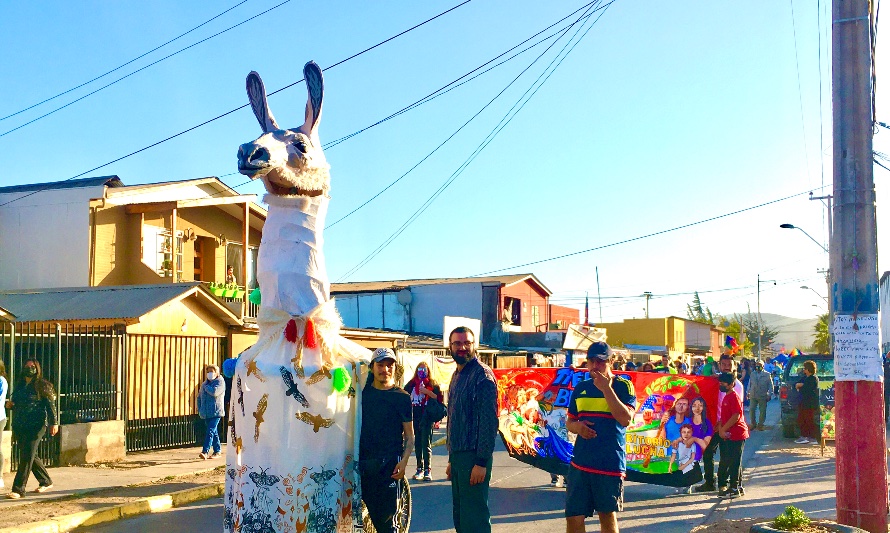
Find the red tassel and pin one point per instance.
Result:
(310, 340)
(290, 331)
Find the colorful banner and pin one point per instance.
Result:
(532, 412)
(826, 408)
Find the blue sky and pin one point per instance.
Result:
(662, 115)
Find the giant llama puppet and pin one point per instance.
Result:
(294, 426)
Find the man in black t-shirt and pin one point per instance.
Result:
(386, 441)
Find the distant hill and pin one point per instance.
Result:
(793, 332)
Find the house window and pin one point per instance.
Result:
(536, 317)
(234, 258)
(161, 252)
(512, 313)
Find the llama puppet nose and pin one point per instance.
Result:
(251, 158)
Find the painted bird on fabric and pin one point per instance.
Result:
(258, 415)
(292, 389)
(240, 396)
(316, 421)
(323, 372)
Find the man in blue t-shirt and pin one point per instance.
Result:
(600, 410)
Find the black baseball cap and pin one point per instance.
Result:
(599, 350)
(726, 377)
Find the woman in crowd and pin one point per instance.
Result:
(34, 404)
(702, 429)
(211, 409)
(4, 391)
(745, 377)
(422, 389)
(809, 404)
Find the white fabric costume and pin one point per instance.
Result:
(292, 450)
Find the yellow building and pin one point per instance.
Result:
(672, 335)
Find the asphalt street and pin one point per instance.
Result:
(521, 499)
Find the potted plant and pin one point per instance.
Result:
(793, 519)
(217, 290)
(230, 290)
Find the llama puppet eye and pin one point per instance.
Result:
(300, 145)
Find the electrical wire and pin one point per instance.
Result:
(100, 76)
(141, 69)
(803, 124)
(497, 129)
(241, 107)
(465, 124)
(646, 236)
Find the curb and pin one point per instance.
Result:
(153, 504)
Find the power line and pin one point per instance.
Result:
(243, 106)
(141, 69)
(454, 84)
(430, 97)
(125, 64)
(662, 232)
(497, 129)
(803, 124)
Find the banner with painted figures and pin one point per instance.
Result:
(675, 412)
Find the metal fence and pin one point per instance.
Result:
(82, 362)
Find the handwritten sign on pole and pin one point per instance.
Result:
(857, 354)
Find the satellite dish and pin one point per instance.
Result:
(405, 297)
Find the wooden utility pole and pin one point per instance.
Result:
(861, 474)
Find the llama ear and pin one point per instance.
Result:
(256, 93)
(315, 86)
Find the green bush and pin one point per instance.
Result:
(792, 519)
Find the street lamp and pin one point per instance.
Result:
(814, 290)
(792, 226)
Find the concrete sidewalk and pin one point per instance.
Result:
(137, 468)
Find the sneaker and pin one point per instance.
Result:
(216, 455)
(43, 488)
(761, 427)
(683, 490)
(733, 493)
(723, 492)
(742, 491)
(553, 480)
(560, 482)
(418, 475)
(704, 487)
(426, 475)
(13, 496)
(802, 440)
(203, 455)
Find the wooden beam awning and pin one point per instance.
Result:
(153, 207)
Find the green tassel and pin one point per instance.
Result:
(255, 296)
(341, 380)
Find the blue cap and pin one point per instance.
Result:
(599, 350)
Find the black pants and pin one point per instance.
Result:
(28, 460)
(708, 457)
(423, 433)
(380, 492)
(730, 463)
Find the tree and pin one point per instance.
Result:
(752, 330)
(822, 342)
(699, 313)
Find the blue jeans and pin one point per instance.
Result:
(212, 437)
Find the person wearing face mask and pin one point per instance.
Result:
(34, 405)
(733, 432)
(472, 427)
(423, 388)
(211, 409)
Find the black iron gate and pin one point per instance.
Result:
(82, 362)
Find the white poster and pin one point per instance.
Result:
(452, 322)
(580, 337)
(857, 354)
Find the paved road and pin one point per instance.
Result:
(521, 498)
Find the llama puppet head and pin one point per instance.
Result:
(289, 162)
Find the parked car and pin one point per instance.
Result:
(789, 396)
